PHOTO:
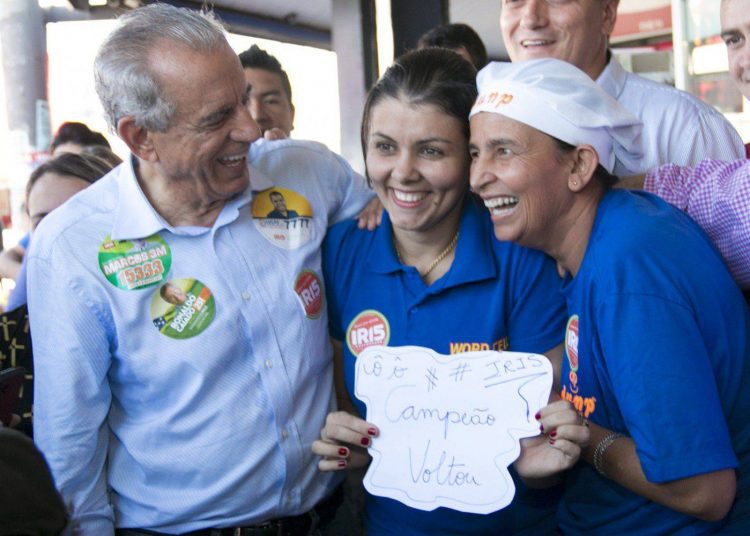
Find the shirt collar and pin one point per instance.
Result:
(613, 77)
(135, 217)
(473, 261)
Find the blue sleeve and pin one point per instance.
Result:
(18, 295)
(537, 320)
(662, 379)
(332, 246)
(72, 358)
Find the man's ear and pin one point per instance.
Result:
(137, 138)
(610, 16)
(584, 164)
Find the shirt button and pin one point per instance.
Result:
(269, 363)
(284, 433)
(246, 296)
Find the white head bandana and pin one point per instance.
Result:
(562, 101)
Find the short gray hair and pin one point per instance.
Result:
(124, 81)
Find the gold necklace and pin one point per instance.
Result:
(443, 254)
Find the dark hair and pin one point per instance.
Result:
(78, 133)
(82, 166)
(455, 36)
(257, 58)
(106, 154)
(604, 177)
(435, 76)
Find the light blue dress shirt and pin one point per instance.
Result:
(144, 430)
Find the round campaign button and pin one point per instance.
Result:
(135, 264)
(571, 342)
(284, 217)
(182, 308)
(369, 328)
(310, 293)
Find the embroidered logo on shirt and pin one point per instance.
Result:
(135, 264)
(182, 308)
(283, 216)
(369, 328)
(461, 347)
(310, 293)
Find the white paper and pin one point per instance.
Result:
(449, 425)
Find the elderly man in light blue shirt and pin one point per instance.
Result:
(182, 359)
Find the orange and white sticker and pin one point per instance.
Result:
(571, 342)
(310, 293)
(368, 328)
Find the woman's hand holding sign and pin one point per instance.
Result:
(343, 442)
(564, 433)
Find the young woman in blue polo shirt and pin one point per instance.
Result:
(433, 275)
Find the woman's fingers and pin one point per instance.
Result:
(342, 427)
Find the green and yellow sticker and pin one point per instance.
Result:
(182, 308)
(135, 264)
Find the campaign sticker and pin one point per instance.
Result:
(182, 308)
(369, 328)
(135, 264)
(571, 342)
(283, 216)
(310, 293)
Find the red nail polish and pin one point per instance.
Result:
(541, 428)
(372, 431)
(553, 433)
(551, 441)
(538, 415)
(365, 441)
(342, 463)
(343, 451)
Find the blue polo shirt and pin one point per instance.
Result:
(657, 348)
(496, 296)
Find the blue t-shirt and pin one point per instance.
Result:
(657, 348)
(496, 295)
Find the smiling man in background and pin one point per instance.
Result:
(677, 127)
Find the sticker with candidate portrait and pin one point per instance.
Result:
(283, 216)
(182, 308)
(369, 328)
(310, 293)
(135, 264)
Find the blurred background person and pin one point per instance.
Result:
(49, 186)
(270, 101)
(460, 38)
(73, 136)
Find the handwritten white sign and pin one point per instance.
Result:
(449, 425)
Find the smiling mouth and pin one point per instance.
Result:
(501, 205)
(408, 198)
(233, 161)
(529, 43)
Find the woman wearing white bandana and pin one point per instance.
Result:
(658, 336)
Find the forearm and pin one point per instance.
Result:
(707, 496)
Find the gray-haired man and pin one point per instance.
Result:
(174, 416)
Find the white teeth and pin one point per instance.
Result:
(232, 160)
(534, 43)
(498, 202)
(408, 197)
